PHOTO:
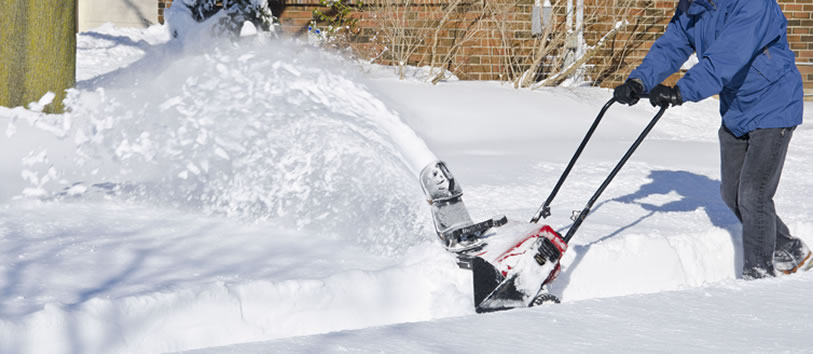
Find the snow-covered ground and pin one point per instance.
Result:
(266, 192)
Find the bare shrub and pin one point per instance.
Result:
(437, 34)
(554, 60)
(466, 25)
(403, 27)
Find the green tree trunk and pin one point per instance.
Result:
(37, 51)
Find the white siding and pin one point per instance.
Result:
(126, 13)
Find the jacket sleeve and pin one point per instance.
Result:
(751, 26)
(669, 52)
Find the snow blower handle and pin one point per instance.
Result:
(544, 210)
(583, 214)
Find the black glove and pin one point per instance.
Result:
(629, 92)
(665, 96)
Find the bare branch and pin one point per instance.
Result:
(557, 79)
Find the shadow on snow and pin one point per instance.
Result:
(695, 191)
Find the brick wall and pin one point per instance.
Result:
(486, 57)
(800, 36)
(647, 20)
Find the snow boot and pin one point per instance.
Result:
(789, 261)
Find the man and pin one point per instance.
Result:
(744, 58)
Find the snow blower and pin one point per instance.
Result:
(512, 262)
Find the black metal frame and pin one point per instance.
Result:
(544, 210)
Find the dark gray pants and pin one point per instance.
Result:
(751, 166)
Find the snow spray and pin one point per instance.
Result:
(270, 130)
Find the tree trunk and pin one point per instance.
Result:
(37, 51)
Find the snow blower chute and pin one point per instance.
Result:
(512, 262)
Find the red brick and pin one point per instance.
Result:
(792, 7)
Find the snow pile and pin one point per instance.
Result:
(268, 130)
(283, 136)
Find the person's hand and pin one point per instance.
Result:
(665, 96)
(629, 92)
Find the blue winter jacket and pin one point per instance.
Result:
(743, 55)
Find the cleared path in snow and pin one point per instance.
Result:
(732, 317)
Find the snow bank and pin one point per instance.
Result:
(648, 263)
(731, 317)
(133, 294)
